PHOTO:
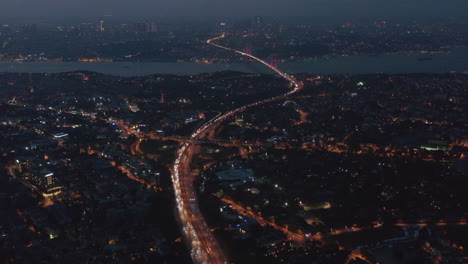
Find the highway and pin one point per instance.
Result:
(201, 242)
(219, 142)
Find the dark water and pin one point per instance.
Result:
(456, 61)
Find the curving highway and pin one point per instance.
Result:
(202, 244)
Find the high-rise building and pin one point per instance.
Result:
(146, 27)
(258, 20)
(151, 27)
(258, 23)
(222, 27)
(46, 182)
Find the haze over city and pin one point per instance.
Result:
(202, 9)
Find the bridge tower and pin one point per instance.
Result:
(248, 50)
(31, 86)
(274, 61)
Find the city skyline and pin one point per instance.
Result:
(202, 9)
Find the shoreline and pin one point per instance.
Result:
(215, 61)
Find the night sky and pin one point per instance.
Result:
(233, 8)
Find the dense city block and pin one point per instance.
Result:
(350, 169)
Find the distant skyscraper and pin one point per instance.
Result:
(222, 27)
(151, 27)
(146, 27)
(258, 20)
(101, 26)
(258, 23)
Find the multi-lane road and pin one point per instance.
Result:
(202, 244)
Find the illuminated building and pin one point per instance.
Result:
(46, 183)
(36, 177)
(22, 164)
